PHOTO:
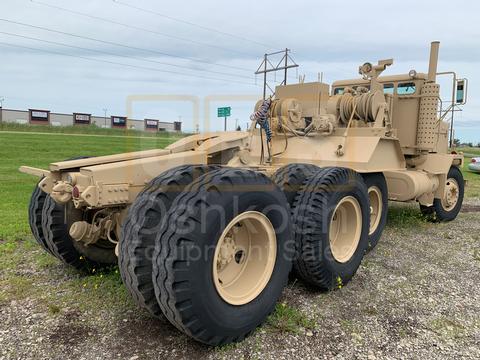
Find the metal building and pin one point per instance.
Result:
(45, 117)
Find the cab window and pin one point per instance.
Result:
(388, 88)
(338, 91)
(364, 86)
(406, 88)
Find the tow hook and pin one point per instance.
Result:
(62, 192)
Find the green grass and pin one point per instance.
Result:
(469, 150)
(23, 276)
(405, 216)
(473, 179)
(287, 318)
(22, 262)
(38, 151)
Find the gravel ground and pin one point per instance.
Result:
(415, 296)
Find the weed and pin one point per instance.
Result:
(447, 328)
(476, 254)
(16, 288)
(53, 309)
(289, 319)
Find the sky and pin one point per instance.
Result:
(171, 57)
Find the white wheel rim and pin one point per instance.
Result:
(451, 194)
(244, 258)
(376, 207)
(345, 229)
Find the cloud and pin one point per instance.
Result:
(325, 36)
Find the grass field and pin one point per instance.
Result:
(71, 306)
(18, 149)
(473, 179)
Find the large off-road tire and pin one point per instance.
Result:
(56, 222)
(35, 216)
(331, 222)
(141, 226)
(53, 222)
(290, 178)
(37, 200)
(447, 208)
(378, 198)
(223, 255)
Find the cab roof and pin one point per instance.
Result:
(382, 79)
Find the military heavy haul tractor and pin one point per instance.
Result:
(207, 230)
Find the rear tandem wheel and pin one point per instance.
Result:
(140, 229)
(331, 223)
(50, 223)
(223, 255)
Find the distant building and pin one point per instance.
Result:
(45, 117)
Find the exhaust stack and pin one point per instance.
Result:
(432, 65)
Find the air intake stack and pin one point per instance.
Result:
(432, 65)
(427, 128)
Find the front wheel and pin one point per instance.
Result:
(448, 207)
(222, 256)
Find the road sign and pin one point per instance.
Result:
(224, 111)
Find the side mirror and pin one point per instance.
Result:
(461, 92)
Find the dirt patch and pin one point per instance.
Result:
(70, 331)
(148, 335)
(70, 334)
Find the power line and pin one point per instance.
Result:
(120, 55)
(122, 64)
(134, 27)
(268, 46)
(120, 45)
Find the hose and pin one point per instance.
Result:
(261, 117)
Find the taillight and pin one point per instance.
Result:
(75, 192)
(474, 160)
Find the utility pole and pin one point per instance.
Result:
(105, 117)
(265, 59)
(236, 124)
(285, 63)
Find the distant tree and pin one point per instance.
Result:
(456, 142)
(470, 144)
(239, 128)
